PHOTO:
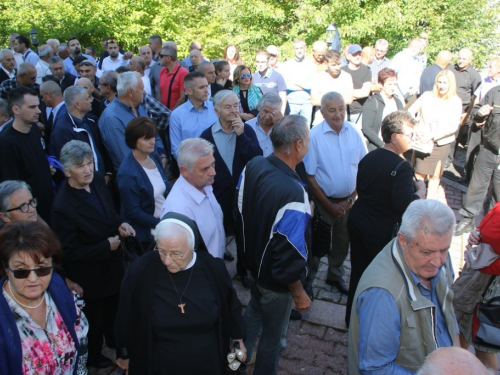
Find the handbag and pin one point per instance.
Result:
(424, 148)
(486, 323)
(131, 249)
(321, 236)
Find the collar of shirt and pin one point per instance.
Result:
(193, 192)
(177, 66)
(25, 54)
(191, 107)
(57, 108)
(126, 107)
(218, 128)
(10, 75)
(269, 71)
(327, 128)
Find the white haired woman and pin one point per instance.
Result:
(178, 310)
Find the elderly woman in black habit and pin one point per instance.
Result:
(88, 228)
(178, 310)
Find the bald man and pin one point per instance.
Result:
(429, 74)
(453, 361)
(26, 76)
(96, 103)
(146, 53)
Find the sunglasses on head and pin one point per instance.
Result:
(243, 76)
(86, 63)
(24, 274)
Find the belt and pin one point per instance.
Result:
(338, 199)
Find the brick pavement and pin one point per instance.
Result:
(317, 345)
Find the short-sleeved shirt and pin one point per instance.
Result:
(376, 66)
(324, 83)
(272, 81)
(177, 74)
(359, 77)
(468, 80)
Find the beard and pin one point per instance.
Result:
(78, 51)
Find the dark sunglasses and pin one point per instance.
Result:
(86, 63)
(25, 206)
(24, 274)
(243, 76)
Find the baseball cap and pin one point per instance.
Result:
(354, 48)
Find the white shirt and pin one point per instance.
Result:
(148, 68)
(333, 158)
(264, 139)
(108, 64)
(147, 84)
(42, 69)
(204, 209)
(11, 75)
(158, 189)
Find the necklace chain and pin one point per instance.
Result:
(181, 305)
(22, 304)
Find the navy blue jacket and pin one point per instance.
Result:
(65, 129)
(11, 351)
(137, 196)
(247, 147)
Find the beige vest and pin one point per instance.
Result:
(418, 331)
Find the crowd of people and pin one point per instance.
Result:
(124, 176)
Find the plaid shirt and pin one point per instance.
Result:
(157, 111)
(7, 86)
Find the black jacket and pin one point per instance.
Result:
(4, 76)
(67, 81)
(83, 232)
(215, 88)
(373, 110)
(491, 130)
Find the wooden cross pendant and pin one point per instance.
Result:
(182, 307)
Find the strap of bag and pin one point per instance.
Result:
(171, 84)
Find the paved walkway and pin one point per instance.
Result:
(317, 345)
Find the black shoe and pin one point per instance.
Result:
(340, 285)
(100, 362)
(466, 225)
(309, 290)
(295, 315)
(246, 282)
(228, 256)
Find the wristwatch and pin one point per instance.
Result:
(350, 200)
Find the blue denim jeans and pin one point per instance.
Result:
(270, 312)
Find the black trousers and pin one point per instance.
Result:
(101, 316)
(486, 171)
(473, 149)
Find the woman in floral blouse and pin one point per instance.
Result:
(42, 330)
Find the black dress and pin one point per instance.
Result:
(382, 200)
(187, 343)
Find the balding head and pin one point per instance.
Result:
(146, 53)
(87, 84)
(26, 74)
(51, 93)
(195, 45)
(169, 43)
(453, 361)
(443, 59)
(464, 58)
(137, 64)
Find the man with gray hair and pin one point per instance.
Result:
(380, 61)
(54, 44)
(8, 62)
(78, 123)
(273, 217)
(453, 361)
(269, 114)
(26, 76)
(402, 310)
(114, 119)
(192, 195)
(137, 64)
(17, 56)
(235, 145)
(42, 66)
(65, 79)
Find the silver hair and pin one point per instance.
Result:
(330, 96)
(221, 97)
(9, 187)
(44, 50)
(203, 65)
(54, 60)
(72, 94)
(272, 99)
(75, 152)
(4, 51)
(287, 131)
(191, 149)
(429, 217)
(55, 41)
(62, 47)
(24, 68)
(126, 81)
(166, 230)
(382, 43)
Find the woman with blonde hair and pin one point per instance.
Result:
(439, 114)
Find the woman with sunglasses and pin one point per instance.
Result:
(85, 220)
(385, 185)
(248, 93)
(42, 330)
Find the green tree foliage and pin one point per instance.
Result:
(252, 25)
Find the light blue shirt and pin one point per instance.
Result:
(333, 158)
(187, 122)
(226, 144)
(264, 139)
(31, 57)
(204, 209)
(487, 84)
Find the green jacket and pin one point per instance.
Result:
(418, 316)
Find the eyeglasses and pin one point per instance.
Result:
(163, 255)
(260, 62)
(86, 63)
(409, 136)
(25, 206)
(243, 76)
(24, 274)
